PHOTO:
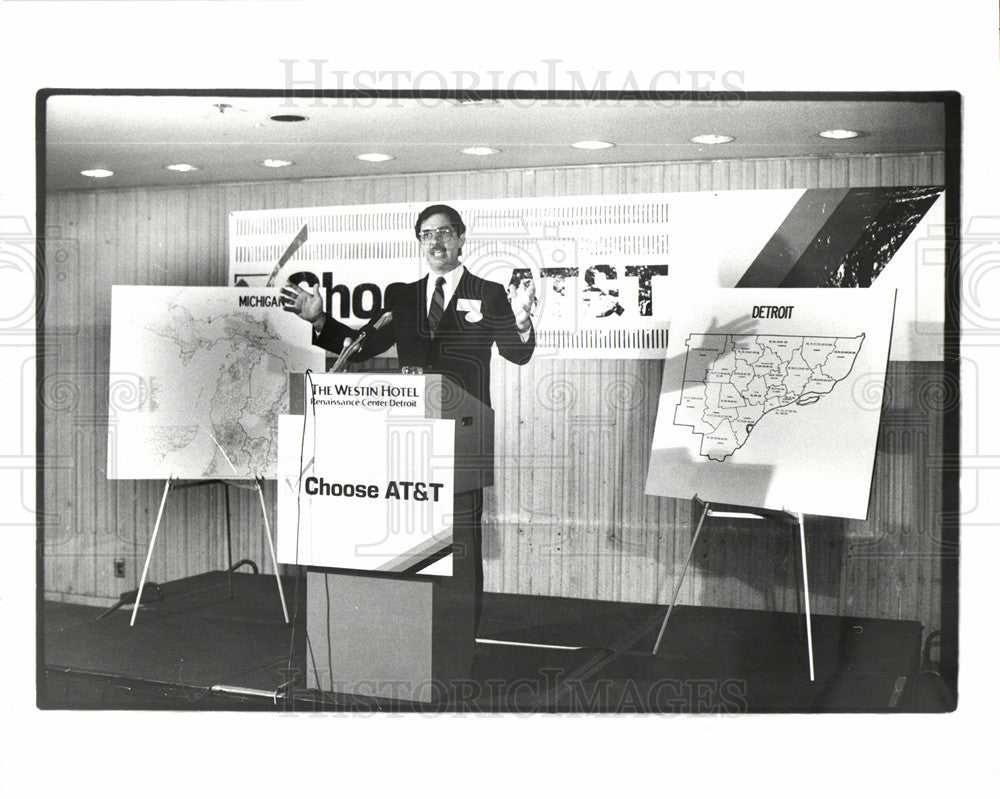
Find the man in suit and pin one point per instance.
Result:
(447, 323)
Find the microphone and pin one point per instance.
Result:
(341, 363)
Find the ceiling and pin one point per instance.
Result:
(227, 137)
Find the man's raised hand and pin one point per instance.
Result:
(522, 301)
(305, 303)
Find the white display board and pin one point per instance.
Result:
(772, 399)
(365, 481)
(198, 378)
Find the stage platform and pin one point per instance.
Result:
(197, 648)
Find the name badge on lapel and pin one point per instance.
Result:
(473, 309)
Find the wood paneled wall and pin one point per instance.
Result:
(567, 516)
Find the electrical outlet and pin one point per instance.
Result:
(119, 568)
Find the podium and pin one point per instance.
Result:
(401, 628)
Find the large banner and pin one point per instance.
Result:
(604, 266)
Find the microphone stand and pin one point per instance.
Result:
(345, 354)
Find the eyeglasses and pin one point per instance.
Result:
(445, 233)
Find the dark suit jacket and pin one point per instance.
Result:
(462, 347)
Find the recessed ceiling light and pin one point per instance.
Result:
(181, 168)
(712, 138)
(840, 134)
(288, 118)
(481, 151)
(97, 173)
(592, 145)
(275, 163)
(374, 157)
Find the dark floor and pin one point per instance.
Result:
(184, 648)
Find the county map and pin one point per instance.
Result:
(732, 381)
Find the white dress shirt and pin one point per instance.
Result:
(450, 284)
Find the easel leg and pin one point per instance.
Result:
(270, 544)
(149, 553)
(677, 588)
(805, 591)
(800, 628)
(229, 539)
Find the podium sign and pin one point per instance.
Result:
(365, 479)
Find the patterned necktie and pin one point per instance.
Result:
(437, 306)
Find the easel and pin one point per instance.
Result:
(793, 518)
(259, 482)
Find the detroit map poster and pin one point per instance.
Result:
(771, 398)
